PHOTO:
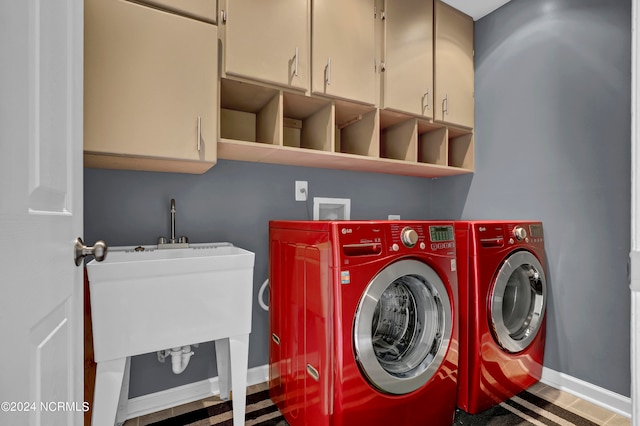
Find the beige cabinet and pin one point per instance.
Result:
(204, 10)
(408, 57)
(268, 41)
(343, 49)
(453, 59)
(150, 89)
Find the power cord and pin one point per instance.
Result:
(307, 203)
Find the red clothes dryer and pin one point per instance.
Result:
(363, 322)
(503, 294)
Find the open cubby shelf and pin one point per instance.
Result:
(264, 124)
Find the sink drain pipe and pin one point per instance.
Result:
(180, 357)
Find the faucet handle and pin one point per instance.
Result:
(183, 240)
(162, 240)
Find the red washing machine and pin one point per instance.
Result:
(503, 294)
(363, 322)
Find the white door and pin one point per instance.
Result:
(41, 372)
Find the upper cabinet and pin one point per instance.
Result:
(407, 76)
(268, 41)
(204, 10)
(151, 88)
(343, 49)
(371, 85)
(453, 66)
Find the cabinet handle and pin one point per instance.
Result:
(327, 77)
(426, 105)
(223, 16)
(199, 134)
(295, 69)
(445, 104)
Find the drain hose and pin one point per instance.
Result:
(263, 287)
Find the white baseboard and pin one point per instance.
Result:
(199, 390)
(162, 400)
(587, 391)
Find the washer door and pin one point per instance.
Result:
(402, 327)
(518, 300)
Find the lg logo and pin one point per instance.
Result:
(347, 230)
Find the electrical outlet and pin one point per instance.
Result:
(302, 190)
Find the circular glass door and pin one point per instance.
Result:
(402, 327)
(518, 300)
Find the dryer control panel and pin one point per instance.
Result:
(525, 233)
(496, 235)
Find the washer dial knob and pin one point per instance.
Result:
(409, 237)
(520, 233)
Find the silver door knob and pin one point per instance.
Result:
(99, 251)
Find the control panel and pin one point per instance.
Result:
(501, 234)
(422, 236)
(366, 239)
(530, 233)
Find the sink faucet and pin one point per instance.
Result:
(173, 221)
(182, 242)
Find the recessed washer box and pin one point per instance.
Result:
(331, 208)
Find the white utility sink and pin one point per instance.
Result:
(145, 299)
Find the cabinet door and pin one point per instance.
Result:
(343, 49)
(453, 66)
(199, 9)
(408, 56)
(150, 83)
(268, 41)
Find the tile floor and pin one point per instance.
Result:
(569, 402)
(192, 406)
(586, 409)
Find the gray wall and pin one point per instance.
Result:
(552, 143)
(234, 202)
(553, 88)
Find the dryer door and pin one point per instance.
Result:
(403, 326)
(518, 301)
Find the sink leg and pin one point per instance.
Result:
(121, 414)
(224, 367)
(239, 351)
(109, 379)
